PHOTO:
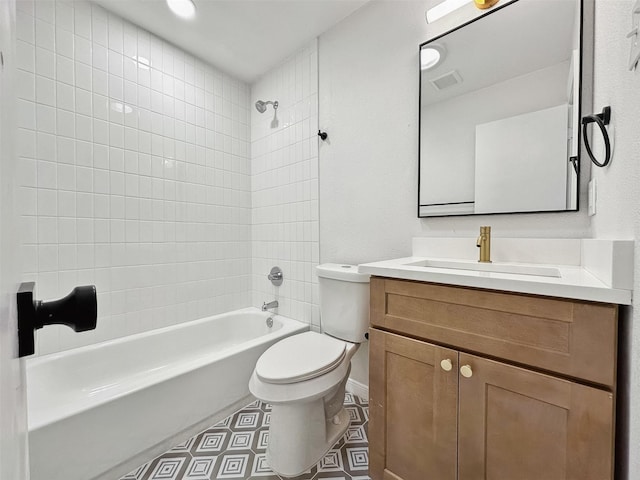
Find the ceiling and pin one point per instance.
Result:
(516, 40)
(245, 38)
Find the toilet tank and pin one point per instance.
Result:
(344, 301)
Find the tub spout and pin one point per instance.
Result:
(267, 306)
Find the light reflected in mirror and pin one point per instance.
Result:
(499, 112)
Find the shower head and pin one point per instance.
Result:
(262, 106)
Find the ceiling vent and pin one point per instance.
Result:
(447, 80)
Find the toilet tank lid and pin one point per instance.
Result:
(341, 271)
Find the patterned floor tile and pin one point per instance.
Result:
(331, 462)
(235, 465)
(211, 442)
(308, 475)
(248, 419)
(356, 459)
(332, 476)
(137, 473)
(200, 468)
(168, 467)
(235, 449)
(356, 434)
(241, 440)
(260, 440)
(185, 446)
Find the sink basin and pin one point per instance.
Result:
(536, 270)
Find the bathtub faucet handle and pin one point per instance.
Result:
(276, 276)
(267, 306)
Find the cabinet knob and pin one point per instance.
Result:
(446, 364)
(466, 371)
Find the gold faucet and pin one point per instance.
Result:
(484, 244)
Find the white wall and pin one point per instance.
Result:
(369, 82)
(368, 104)
(284, 186)
(133, 179)
(368, 172)
(13, 401)
(618, 206)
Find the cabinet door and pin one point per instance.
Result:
(521, 425)
(413, 409)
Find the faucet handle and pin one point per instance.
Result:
(276, 276)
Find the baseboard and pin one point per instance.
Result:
(357, 388)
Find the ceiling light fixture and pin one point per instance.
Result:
(431, 56)
(484, 4)
(444, 9)
(447, 6)
(182, 8)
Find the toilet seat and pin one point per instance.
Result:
(300, 357)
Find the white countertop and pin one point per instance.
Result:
(575, 282)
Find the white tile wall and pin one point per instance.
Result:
(284, 186)
(135, 174)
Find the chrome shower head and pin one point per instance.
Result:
(262, 106)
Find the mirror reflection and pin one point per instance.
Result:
(499, 112)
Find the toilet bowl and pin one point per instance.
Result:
(304, 376)
(307, 395)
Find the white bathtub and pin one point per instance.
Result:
(99, 411)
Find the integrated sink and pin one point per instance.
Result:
(582, 269)
(537, 270)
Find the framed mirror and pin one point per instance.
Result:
(500, 105)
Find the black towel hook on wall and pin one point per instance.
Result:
(600, 119)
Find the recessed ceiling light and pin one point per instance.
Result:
(431, 56)
(182, 8)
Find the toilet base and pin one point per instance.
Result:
(302, 436)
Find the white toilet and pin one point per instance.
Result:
(304, 376)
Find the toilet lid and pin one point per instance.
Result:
(300, 357)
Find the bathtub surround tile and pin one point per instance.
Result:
(235, 449)
(141, 171)
(284, 186)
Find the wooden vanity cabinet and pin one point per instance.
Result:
(444, 410)
(413, 409)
